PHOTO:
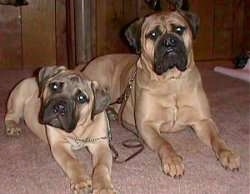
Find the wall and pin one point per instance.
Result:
(220, 35)
(247, 27)
(33, 35)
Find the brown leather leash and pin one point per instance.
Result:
(129, 143)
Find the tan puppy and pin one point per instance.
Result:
(70, 109)
(167, 93)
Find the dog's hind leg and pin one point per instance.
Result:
(15, 107)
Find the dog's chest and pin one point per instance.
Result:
(159, 107)
(163, 103)
(168, 107)
(173, 115)
(165, 108)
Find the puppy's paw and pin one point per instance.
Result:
(12, 129)
(173, 166)
(83, 186)
(104, 191)
(229, 160)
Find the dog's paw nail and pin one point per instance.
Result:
(236, 170)
(13, 131)
(83, 185)
(104, 191)
(229, 160)
(173, 166)
(177, 176)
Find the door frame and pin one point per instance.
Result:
(81, 31)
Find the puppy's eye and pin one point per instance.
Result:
(56, 86)
(179, 29)
(81, 97)
(154, 34)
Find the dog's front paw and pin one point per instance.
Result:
(83, 186)
(12, 129)
(173, 165)
(104, 191)
(229, 160)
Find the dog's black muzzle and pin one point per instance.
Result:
(60, 113)
(170, 52)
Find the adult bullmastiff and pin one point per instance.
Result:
(65, 110)
(166, 88)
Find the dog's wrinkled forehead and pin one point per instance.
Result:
(71, 81)
(164, 20)
(159, 23)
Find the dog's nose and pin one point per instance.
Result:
(169, 42)
(60, 108)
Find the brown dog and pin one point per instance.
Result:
(167, 93)
(70, 109)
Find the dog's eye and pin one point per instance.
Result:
(81, 97)
(154, 34)
(56, 86)
(179, 29)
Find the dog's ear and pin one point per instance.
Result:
(133, 34)
(102, 99)
(193, 21)
(163, 5)
(47, 72)
(154, 4)
(177, 3)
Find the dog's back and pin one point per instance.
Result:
(110, 69)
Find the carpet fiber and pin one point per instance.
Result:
(27, 167)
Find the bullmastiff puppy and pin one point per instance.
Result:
(66, 111)
(166, 87)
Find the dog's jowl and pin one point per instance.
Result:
(167, 93)
(66, 110)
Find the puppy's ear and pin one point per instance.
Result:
(47, 72)
(102, 99)
(133, 35)
(193, 21)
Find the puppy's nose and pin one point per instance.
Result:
(60, 108)
(169, 42)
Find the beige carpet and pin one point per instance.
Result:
(27, 167)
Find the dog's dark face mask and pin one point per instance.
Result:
(60, 112)
(169, 49)
(64, 95)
